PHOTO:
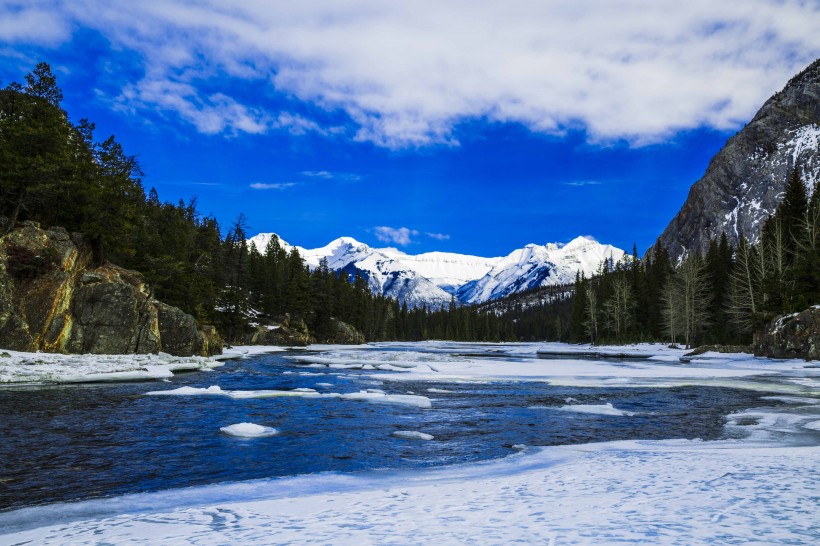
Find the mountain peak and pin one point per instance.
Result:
(433, 278)
(744, 182)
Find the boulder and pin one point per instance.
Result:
(791, 336)
(286, 332)
(344, 334)
(52, 300)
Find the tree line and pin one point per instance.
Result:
(721, 297)
(57, 173)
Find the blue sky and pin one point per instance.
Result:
(473, 127)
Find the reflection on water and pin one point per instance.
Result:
(72, 442)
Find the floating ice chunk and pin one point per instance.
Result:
(405, 399)
(412, 435)
(439, 391)
(188, 391)
(324, 384)
(519, 447)
(813, 425)
(249, 430)
(602, 409)
(381, 398)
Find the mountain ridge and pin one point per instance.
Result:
(435, 278)
(744, 181)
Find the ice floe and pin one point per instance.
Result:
(597, 409)
(413, 435)
(249, 430)
(375, 396)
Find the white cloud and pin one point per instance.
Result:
(406, 73)
(401, 236)
(437, 236)
(326, 175)
(278, 186)
(578, 183)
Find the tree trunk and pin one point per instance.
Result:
(12, 220)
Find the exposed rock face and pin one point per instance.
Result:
(744, 182)
(344, 333)
(791, 336)
(52, 300)
(287, 332)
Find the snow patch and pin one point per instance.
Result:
(412, 435)
(599, 409)
(249, 430)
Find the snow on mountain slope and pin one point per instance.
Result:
(534, 266)
(384, 269)
(433, 278)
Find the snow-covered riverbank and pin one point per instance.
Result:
(37, 368)
(760, 485)
(668, 492)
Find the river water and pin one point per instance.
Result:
(62, 443)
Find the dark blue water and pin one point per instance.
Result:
(75, 442)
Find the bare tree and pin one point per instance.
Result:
(619, 306)
(671, 309)
(744, 288)
(695, 294)
(591, 312)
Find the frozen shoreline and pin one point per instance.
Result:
(21, 368)
(761, 487)
(685, 492)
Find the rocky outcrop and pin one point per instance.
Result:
(744, 182)
(344, 334)
(791, 336)
(53, 300)
(286, 332)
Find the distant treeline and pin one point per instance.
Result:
(720, 298)
(57, 173)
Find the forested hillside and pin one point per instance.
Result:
(58, 173)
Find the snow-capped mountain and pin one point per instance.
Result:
(534, 266)
(433, 278)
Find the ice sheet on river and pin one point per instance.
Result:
(20, 367)
(479, 362)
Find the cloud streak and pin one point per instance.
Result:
(400, 236)
(406, 74)
(580, 183)
(277, 186)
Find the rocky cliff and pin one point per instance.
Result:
(53, 300)
(744, 182)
